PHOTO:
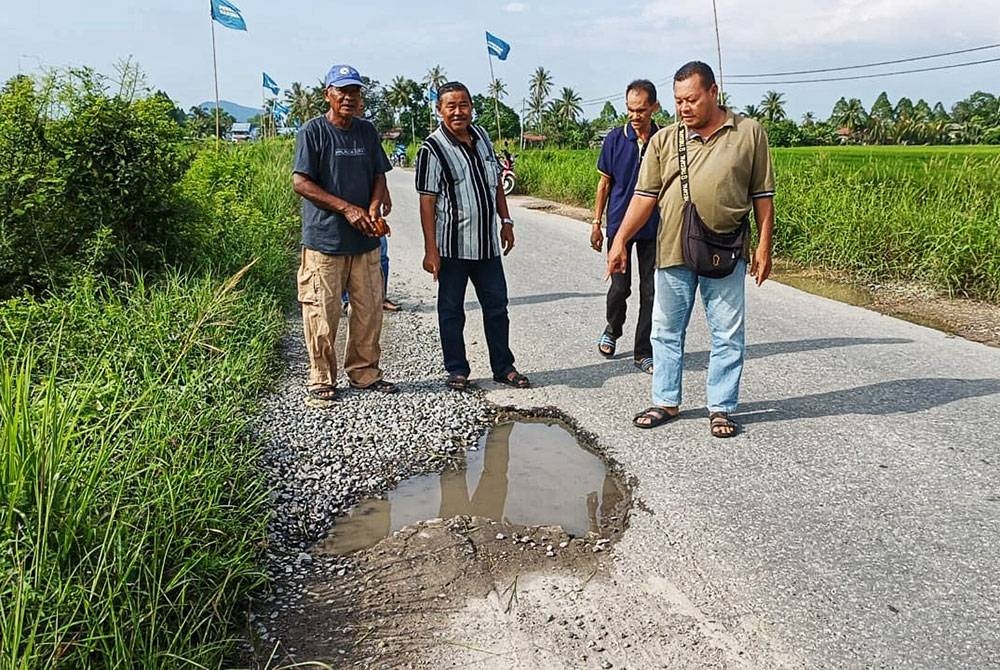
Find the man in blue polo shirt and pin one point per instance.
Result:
(619, 168)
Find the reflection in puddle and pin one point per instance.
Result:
(527, 473)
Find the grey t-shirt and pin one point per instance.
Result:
(345, 164)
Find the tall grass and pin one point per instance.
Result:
(882, 213)
(132, 511)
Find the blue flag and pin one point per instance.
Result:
(271, 85)
(280, 108)
(432, 93)
(496, 46)
(228, 15)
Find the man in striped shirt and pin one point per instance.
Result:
(460, 200)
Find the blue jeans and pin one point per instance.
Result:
(383, 246)
(725, 309)
(491, 290)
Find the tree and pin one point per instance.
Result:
(752, 112)
(398, 94)
(882, 108)
(567, 105)
(539, 87)
(773, 106)
(608, 117)
(850, 114)
(377, 107)
(510, 123)
(301, 103)
(435, 77)
(904, 110)
(498, 89)
(176, 113)
(201, 122)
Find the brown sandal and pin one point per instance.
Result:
(722, 426)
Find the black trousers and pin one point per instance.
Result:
(621, 289)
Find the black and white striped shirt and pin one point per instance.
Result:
(464, 179)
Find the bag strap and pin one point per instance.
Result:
(682, 158)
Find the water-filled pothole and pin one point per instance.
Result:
(527, 472)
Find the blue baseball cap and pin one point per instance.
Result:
(343, 75)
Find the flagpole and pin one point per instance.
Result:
(215, 70)
(496, 100)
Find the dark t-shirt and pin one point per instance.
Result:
(619, 160)
(343, 163)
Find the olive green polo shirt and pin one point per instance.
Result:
(725, 173)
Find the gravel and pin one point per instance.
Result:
(321, 462)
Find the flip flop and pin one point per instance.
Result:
(458, 382)
(321, 397)
(390, 306)
(645, 364)
(382, 386)
(719, 422)
(514, 379)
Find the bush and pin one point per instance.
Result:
(87, 180)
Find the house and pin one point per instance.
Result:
(241, 132)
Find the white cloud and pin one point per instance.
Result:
(515, 7)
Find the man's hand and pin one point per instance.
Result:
(507, 238)
(360, 219)
(617, 258)
(432, 262)
(386, 204)
(596, 237)
(760, 264)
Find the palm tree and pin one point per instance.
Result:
(398, 94)
(540, 84)
(773, 106)
(567, 106)
(498, 89)
(435, 77)
(539, 87)
(751, 112)
(301, 103)
(851, 115)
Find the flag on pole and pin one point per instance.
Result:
(432, 93)
(271, 85)
(496, 46)
(227, 14)
(280, 108)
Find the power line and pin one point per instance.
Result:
(862, 76)
(865, 65)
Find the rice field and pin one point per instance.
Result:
(930, 214)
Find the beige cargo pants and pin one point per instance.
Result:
(321, 280)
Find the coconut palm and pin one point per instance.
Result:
(301, 103)
(435, 77)
(398, 94)
(850, 114)
(540, 84)
(752, 112)
(567, 106)
(773, 106)
(498, 89)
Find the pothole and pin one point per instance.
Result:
(525, 472)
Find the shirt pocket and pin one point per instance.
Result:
(492, 168)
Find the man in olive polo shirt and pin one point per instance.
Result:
(730, 173)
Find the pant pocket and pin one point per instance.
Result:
(307, 282)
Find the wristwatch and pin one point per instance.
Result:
(596, 222)
(507, 221)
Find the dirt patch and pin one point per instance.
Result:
(570, 211)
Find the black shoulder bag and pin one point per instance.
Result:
(706, 252)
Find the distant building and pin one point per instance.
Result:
(241, 132)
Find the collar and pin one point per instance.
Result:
(729, 122)
(454, 140)
(633, 136)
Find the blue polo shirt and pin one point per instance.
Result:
(620, 156)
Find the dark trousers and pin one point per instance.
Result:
(491, 290)
(621, 289)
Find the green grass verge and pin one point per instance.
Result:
(132, 509)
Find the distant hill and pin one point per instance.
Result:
(239, 112)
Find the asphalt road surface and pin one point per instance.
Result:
(853, 523)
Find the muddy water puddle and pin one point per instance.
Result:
(828, 288)
(525, 472)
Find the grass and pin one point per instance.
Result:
(882, 213)
(132, 511)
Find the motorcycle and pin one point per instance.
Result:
(398, 157)
(507, 176)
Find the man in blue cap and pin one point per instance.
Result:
(340, 171)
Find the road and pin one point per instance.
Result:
(853, 523)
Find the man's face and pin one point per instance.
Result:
(640, 109)
(696, 104)
(344, 101)
(455, 109)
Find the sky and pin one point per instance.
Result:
(596, 48)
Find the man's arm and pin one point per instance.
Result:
(432, 256)
(763, 214)
(380, 203)
(640, 208)
(600, 202)
(314, 193)
(506, 230)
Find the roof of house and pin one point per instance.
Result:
(240, 128)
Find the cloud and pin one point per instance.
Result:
(515, 7)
